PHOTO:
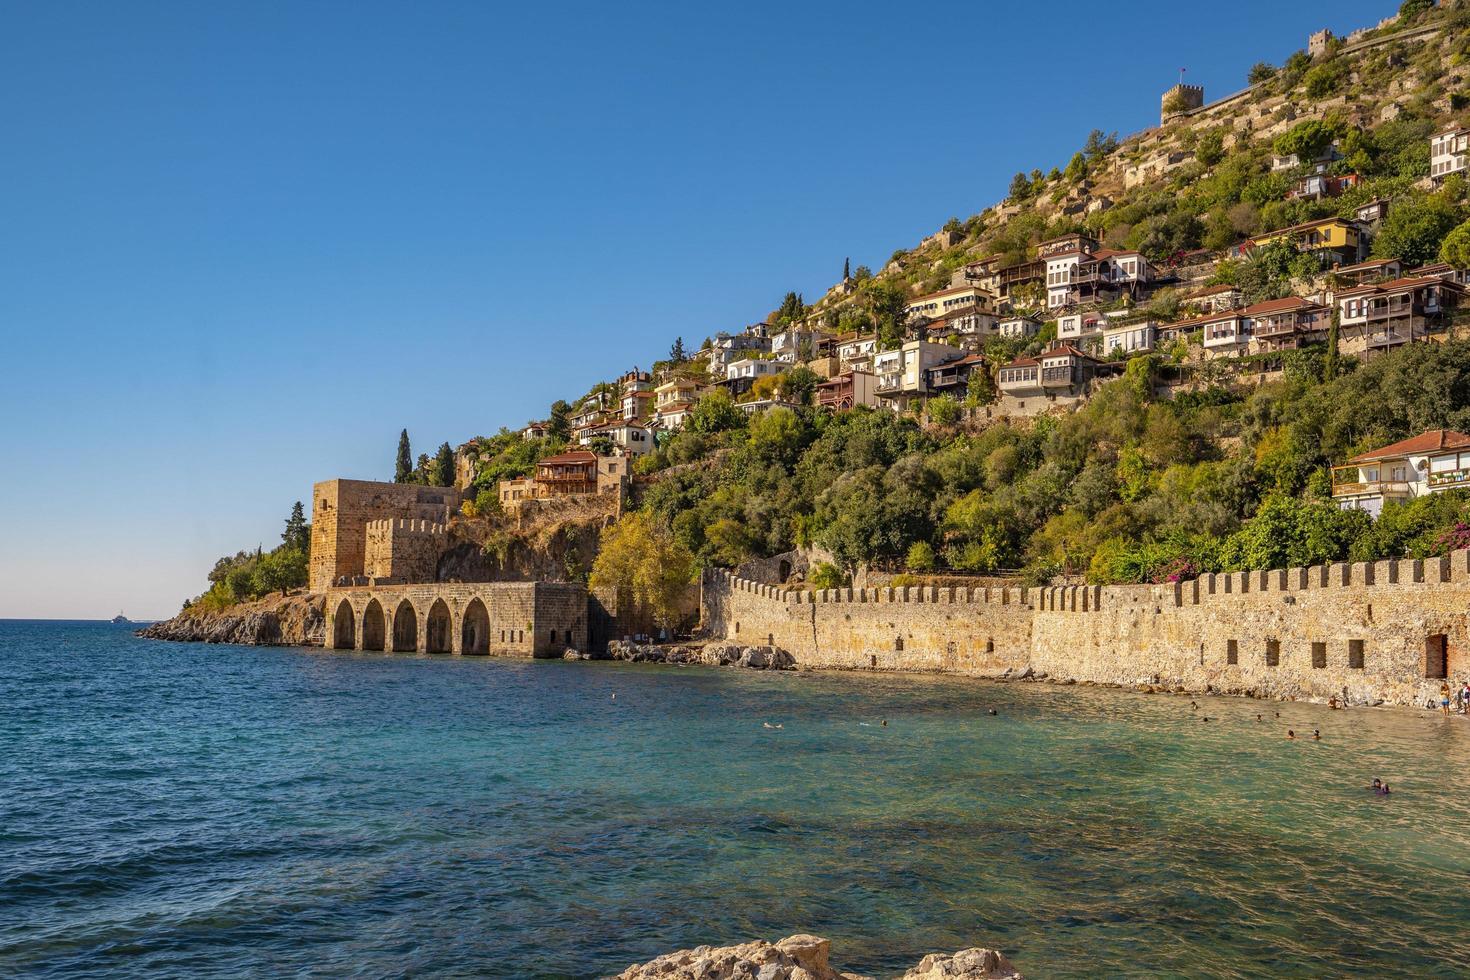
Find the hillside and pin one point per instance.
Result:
(1175, 452)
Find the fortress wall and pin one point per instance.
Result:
(1373, 630)
(342, 509)
(403, 549)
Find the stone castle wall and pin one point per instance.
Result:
(1369, 631)
(342, 509)
(403, 550)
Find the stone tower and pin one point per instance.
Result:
(1180, 101)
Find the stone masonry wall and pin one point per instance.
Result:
(341, 510)
(403, 549)
(1369, 631)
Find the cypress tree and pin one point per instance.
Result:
(403, 473)
(444, 466)
(846, 269)
(298, 532)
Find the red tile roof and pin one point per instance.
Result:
(1406, 282)
(1435, 440)
(576, 456)
(1279, 306)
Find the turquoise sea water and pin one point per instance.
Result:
(191, 810)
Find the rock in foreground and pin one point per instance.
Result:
(805, 958)
(711, 654)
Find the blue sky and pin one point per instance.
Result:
(244, 244)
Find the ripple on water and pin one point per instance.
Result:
(187, 810)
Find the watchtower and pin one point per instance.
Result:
(1180, 101)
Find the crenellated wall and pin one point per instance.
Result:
(402, 549)
(1367, 631)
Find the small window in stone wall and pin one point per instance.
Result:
(1355, 654)
(1273, 653)
(990, 645)
(898, 643)
(1232, 652)
(1319, 655)
(873, 660)
(737, 627)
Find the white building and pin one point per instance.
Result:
(1019, 326)
(1130, 338)
(1429, 462)
(1447, 154)
(1075, 327)
(903, 374)
(752, 367)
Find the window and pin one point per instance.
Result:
(1273, 653)
(898, 643)
(1319, 656)
(1232, 652)
(1355, 654)
(1436, 657)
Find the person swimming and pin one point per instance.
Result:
(885, 722)
(1316, 735)
(1377, 786)
(992, 712)
(1290, 733)
(1258, 718)
(1194, 705)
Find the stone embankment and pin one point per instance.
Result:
(296, 620)
(805, 958)
(708, 654)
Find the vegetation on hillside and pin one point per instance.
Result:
(255, 574)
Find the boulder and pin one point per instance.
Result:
(968, 964)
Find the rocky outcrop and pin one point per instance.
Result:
(297, 620)
(806, 958)
(710, 654)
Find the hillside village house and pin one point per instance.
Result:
(1077, 271)
(1073, 328)
(1429, 462)
(970, 323)
(1216, 299)
(857, 353)
(848, 390)
(536, 430)
(1224, 333)
(1286, 324)
(1333, 240)
(673, 401)
(1373, 270)
(1314, 187)
(795, 344)
(951, 300)
(567, 473)
(758, 405)
(985, 273)
(1447, 154)
(629, 438)
(1062, 375)
(741, 375)
(727, 347)
(1129, 338)
(903, 374)
(1379, 316)
(1019, 326)
(953, 377)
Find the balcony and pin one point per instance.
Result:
(1449, 478)
(1275, 328)
(1384, 488)
(1058, 377)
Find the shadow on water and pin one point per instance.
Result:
(186, 809)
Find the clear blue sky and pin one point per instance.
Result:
(242, 245)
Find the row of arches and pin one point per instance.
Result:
(400, 634)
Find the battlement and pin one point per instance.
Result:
(1368, 631)
(404, 525)
(1180, 100)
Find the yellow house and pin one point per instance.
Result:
(951, 300)
(1339, 242)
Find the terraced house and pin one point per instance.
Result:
(1429, 462)
(1333, 240)
(1380, 316)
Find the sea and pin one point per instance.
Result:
(189, 810)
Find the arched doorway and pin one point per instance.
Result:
(344, 627)
(374, 629)
(405, 628)
(439, 628)
(475, 632)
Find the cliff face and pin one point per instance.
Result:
(297, 620)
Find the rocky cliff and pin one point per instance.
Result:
(805, 958)
(296, 620)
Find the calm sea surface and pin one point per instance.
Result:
(188, 810)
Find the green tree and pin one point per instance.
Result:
(403, 472)
(798, 384)
(443, 468)
(1413, 8)
(423, 471)
(846, 269)
(1456, 247)
(1020, 189)
(560, 425)
(825, 575)
(981, 388)
(298, 531)
(715, 412)
(1076, 167)
(1210, 149)
(921, 557)
(943, 410)
(1416, 228)
(644, 567)
(676, 352)
(1261, 71)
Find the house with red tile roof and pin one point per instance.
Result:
(1436, 460)
(1379, 316)
(1286, 324)
(1060, 376)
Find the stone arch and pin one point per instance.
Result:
(374, 628)
(475, 628)
(405, 628)
(344, 627)
(438, 628)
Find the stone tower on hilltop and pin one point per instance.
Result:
(1180, 101)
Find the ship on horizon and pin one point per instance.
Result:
(120, 620)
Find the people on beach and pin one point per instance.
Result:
(1444, 698)
(1332, 702)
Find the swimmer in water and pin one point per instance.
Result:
(1290, 733)
(1194, 705)
(1377, 785)
(1258, 717)
(1316, 735)
(992, 712)
(885, 722)
(1207, 717)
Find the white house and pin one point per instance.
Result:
(630, 438)
(1019, 326)
(1075, 327)
(903, 374)
(752, 367)
(1427, 463)
(1225, 333)
(1447, 154)
(1130, 338)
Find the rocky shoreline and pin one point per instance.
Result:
(706, 654)
(806, 958)
(280, 621)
